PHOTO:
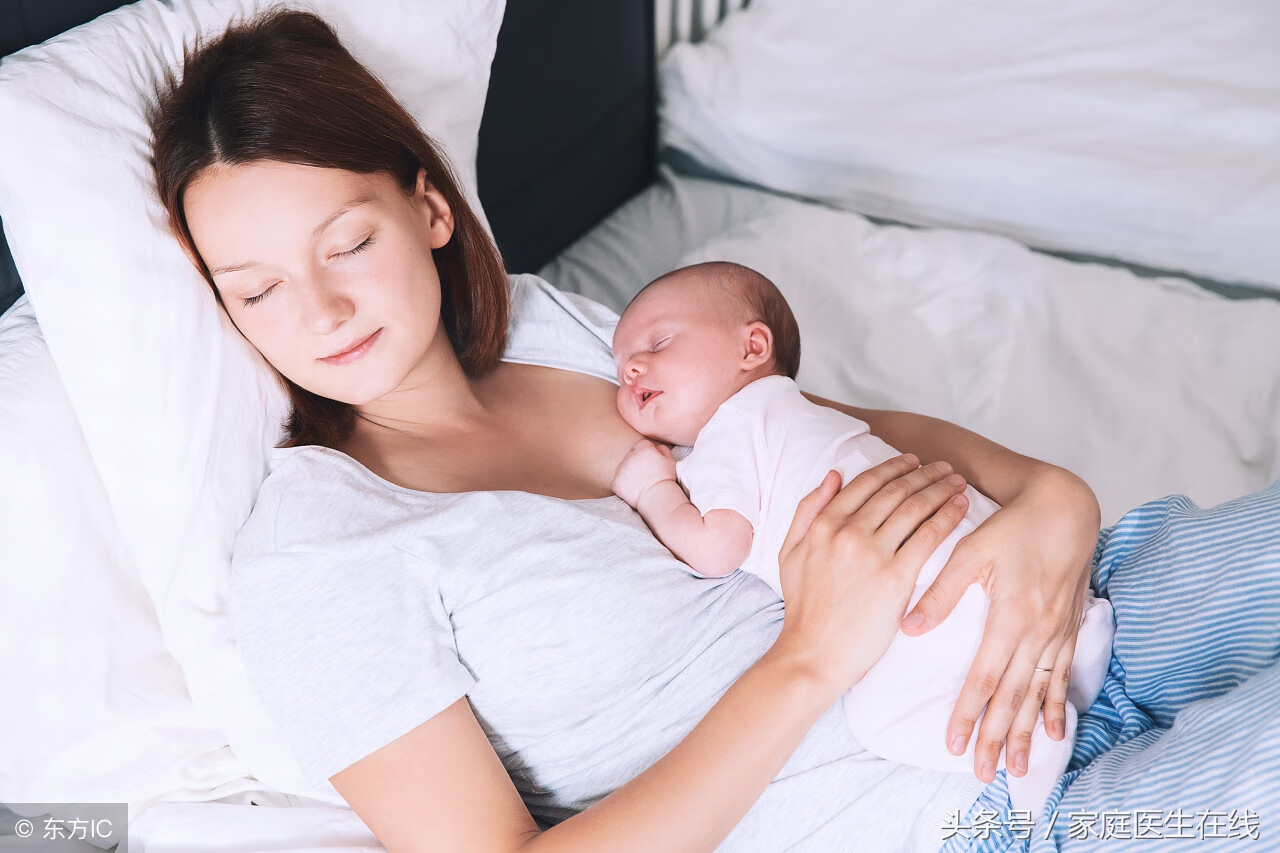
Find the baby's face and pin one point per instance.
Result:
(678, 360)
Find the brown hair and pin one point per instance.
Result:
(755, 299)
(281, 87)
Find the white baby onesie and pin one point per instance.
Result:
(765, 449)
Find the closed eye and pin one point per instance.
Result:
(660, 344)
(254, 300)
(364, 244)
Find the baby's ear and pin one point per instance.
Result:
(757, 345)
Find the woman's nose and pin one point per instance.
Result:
(325, 308)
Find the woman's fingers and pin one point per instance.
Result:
(892, 492)
(1055, 706)
(1018, 744)
(962, 569)
(925, 499)
(871, 483)
(986, 671)
(1012, 689)
(943, 509)
(1011, 693)
(807, 510)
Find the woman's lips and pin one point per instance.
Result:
(355, 352)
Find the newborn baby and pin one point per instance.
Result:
(707, 356)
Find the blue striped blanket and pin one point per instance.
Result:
(1181, 750)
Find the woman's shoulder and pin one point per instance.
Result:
(342, 629)
(312, 494)
(554, 328)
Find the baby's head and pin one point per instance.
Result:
(695, 337)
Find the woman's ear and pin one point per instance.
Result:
(757, 345)
(438, 214)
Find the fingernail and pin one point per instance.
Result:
(1055, 728)
(988, 771)
(957, 745)
(915, 620)
(1020, 762)
(956, 480)
(960, 500)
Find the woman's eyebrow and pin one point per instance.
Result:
(333, 217)
(232, 268)
(329, 220)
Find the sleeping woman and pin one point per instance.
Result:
(440, 601)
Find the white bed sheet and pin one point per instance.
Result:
(1144, 387)
(250, 826)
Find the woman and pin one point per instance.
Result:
(437, 596)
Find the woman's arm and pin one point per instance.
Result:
(442, 787)
(1032, 559)
(992, 469)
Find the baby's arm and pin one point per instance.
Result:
(714, 544)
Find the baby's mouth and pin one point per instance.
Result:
(644, 395)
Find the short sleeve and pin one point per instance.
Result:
(556, 329)
(344, 635)
(721, 470)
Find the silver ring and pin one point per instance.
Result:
(1042, 669)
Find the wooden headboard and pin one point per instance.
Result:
(569, 129)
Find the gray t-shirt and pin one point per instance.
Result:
(586, 650)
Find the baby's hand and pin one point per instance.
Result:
(644, 465)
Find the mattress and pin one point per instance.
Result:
(1142, 386)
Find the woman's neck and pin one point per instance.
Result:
(436, 398)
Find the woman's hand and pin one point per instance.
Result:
(1032, 558)
(850, 560)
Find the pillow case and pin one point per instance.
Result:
(96, 709)
(1147, 131)
(178, 411)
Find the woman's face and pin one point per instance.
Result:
(327, 272)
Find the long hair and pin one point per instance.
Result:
(281, 87)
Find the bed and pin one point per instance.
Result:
(1075, 289)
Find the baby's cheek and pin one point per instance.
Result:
(626, 407)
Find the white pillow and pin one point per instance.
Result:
(95, 708)
(1143, 387)
(178, 411)
(1147, 130)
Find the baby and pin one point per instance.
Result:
(707, 356)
